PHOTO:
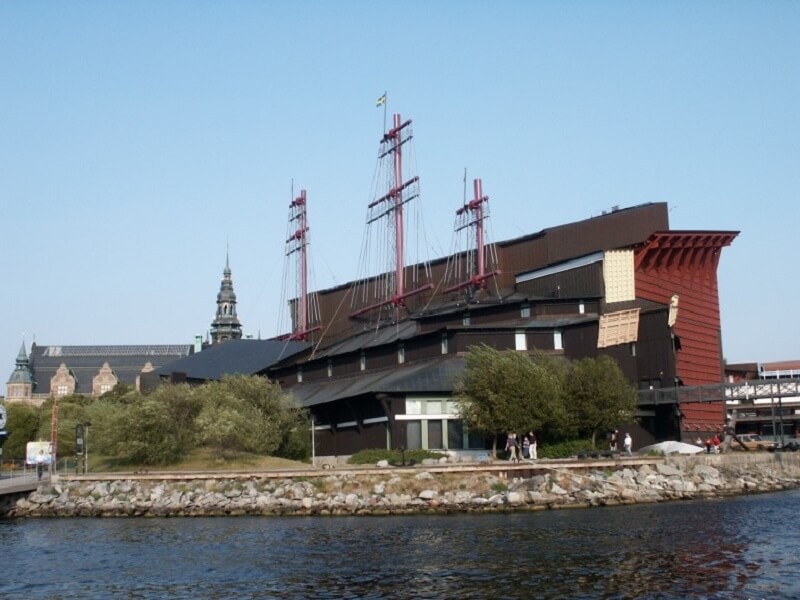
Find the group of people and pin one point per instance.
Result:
(526, 450)
(627, 442)
(711, 444)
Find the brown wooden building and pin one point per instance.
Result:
(620, 284)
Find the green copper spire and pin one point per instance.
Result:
(22, 371)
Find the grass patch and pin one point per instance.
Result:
(202, 459)
(372, 456)
(565, 449)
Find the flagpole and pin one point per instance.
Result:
(385, 102)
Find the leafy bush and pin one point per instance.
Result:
(23, 424)
(564, 449)
(373, 455)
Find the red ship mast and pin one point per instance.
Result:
(399, 193)
(472, 214)
(298, 244)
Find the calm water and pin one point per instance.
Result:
(746, 547)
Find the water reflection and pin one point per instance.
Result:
(736, 548)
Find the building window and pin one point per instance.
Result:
(465, 320)
(299, 374)
(330, 367)
(414, 435)
(106, 387)
(401, 354)
(632, 347)
(362, 362)
(558, 343)
(525, 311)
(581, 308)
(520, 341)
(62, 390)
(435, 441)
(444, 343)
(455, 435)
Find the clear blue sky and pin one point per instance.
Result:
(138, 138)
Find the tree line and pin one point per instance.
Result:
(239, 414)
(500, 391)
(507, 390)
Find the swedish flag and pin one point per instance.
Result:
(381, 101)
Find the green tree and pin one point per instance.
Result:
(23, 427)
(511, 391)
(251, 414)
(599, 396)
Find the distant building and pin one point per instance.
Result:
(771, 402)
(58, 371)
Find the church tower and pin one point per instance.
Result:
(226, 325)
(20, 384)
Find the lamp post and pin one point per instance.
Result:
(313, 444)
(87, 424)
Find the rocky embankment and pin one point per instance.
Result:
(441, 488)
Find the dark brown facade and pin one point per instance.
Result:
(390, 384)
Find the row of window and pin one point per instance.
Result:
(431, 434)
(520, 343)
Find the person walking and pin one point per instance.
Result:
(526, 447)
(40, 464)
(534, 446)
(628, 444)
(511, 447)
(612, 445)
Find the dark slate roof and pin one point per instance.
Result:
(233, 357)
(431, 376)
(370, 339)
(540, 322)
(458, 306)
(84, 362)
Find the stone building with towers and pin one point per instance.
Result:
(58, 371)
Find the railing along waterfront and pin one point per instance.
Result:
(731, 393)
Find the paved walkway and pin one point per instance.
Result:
(20, 483)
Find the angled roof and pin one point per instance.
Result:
(84, 362)
(424, 376)
(232, 357)
(371, 338)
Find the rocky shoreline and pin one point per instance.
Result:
(424, 489)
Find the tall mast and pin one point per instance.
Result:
(472, 214)
(399, 193)
(298, 244)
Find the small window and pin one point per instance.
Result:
(330, 367)
(632, 347)
(413, 407)
(558, 343)
(401, 354)
(525, 311)
(444, 343)
(299, 374)
(581, 308)
(362, 362)
(466, 320)
(62, 390)
(520, 341)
